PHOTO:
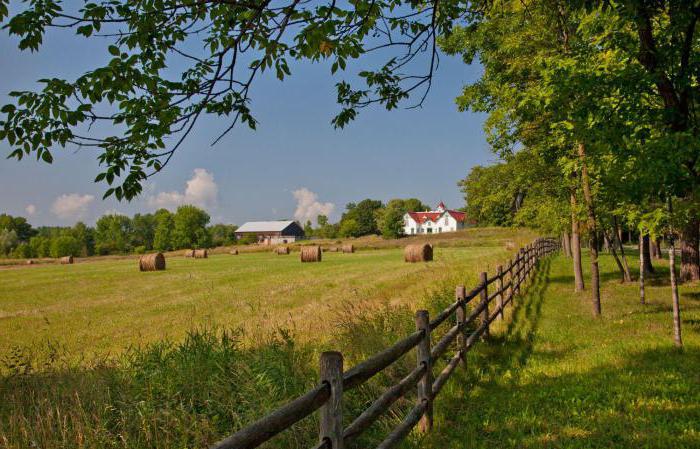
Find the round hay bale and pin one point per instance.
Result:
(189, 253)
(30, 262)
(311, 253)
(422, 252)
(349, 248)
(201, 254)
(66, 260)
(152, 262)
(233, 252)
(510, 245)
(282, 250)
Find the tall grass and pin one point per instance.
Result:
(191, 393)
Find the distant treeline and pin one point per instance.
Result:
(188, 227)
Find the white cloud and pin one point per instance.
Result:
(201, 190)
(308, 206)
(30, 209)
(71, 206)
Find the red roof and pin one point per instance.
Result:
(422, 217)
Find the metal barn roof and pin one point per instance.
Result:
(264, 226)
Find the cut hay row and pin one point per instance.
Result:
(152, 262)
(66, 260)
(282, 250)
(311, 253)
(418, 253)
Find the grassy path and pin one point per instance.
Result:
(556, 377)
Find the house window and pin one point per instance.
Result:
(447, 220)
(430, 230)
(439, 229)
(413, 230)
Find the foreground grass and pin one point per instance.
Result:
(556, 377)
(104, 307)
(551, 376)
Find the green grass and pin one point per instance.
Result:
(551, 375)
(557, 377)
(100, 308)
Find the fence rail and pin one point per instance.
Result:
(327, 396)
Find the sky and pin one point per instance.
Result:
(294, 166)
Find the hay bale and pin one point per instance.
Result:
(66, 260)
(311, 253)
(422, 252)
(30, 262)
(510, 246)
(349, 248)
(233, 252)
(200, 254)
(189, 253)
(152, 262)
(280, 250)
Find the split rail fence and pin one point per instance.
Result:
(328, 395)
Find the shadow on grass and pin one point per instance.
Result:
(649, 400)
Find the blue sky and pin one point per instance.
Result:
(253, 175)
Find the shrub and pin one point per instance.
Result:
(65, 246)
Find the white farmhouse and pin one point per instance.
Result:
(433, 221)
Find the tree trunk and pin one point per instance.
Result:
(592, 231)
(657, 246)
(576, 246)
(690, 251)
(618, 233)
(674, 296)
(566, 243)
(646, 249)
(617, 259)
(642, 269)
(606, 243)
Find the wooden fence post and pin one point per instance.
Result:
(523, 264)
(331, 413)
(499, 285)
(460, 295)
(485, 302)
(425, 385)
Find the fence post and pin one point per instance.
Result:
(499, 285)
(331, 414)
(425, 385)
(460, 295)
(485, 302)
(521, 269)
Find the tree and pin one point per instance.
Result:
(349, 228)
(20, 225)
(223, 234)
(150, 110)
(190, 228)
(65, 246)
(364, 216)
(86, 236)
(8, 241)
(162, 235)
(113, 234)
(143, 228)
(391, 223)
(40, 246)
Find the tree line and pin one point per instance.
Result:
(187, 227)
(367, 217)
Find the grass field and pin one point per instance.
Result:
(551, 375)
(99, 308)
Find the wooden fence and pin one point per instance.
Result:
(328, 395)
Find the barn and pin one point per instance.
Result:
(272, 232)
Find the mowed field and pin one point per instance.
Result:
(100, 308)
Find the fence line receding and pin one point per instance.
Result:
(328, 395)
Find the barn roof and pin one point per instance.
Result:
(265, 226)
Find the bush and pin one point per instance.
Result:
(140, 250)
(22, 251)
